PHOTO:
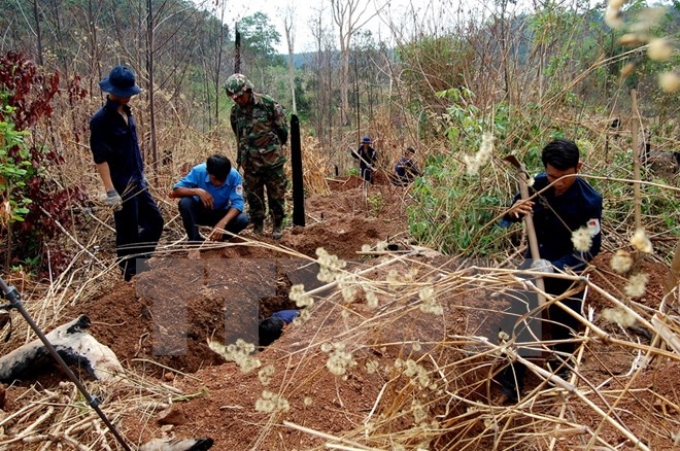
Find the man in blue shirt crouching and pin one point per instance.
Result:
(211, 195)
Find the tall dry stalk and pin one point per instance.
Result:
(637, 196)
(671, 281)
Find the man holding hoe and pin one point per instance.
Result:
(566, 213)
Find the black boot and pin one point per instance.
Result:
(277, 233)
(258, 229)
(511, 379)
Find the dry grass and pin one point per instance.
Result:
(458, 409)
(59, 417)
(437, 370)
(451, 410)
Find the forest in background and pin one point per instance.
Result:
(559, 53)
(523, 76)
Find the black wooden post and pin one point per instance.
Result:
(237, 52)
(298, 179)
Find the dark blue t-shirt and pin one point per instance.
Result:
(366, 156)
(556, 217)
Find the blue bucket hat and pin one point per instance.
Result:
(120, 82)
(366, 140)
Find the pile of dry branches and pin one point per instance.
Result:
(438, 369)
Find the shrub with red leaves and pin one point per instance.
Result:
(30, 94)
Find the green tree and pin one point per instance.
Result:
(258, 40)
(303, 103)
(432, 65)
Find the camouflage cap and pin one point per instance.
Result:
(237, 84)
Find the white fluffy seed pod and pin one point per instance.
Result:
(669, 82)
(660, 49)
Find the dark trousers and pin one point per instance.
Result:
(367, 174)
(139, 225)
(401, 180)
(561, 326)
(194, 213)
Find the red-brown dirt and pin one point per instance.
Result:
(168, 314)
(161, 322)
(223, 293)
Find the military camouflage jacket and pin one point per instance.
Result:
(261, 130)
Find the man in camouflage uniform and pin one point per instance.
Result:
(260, 127)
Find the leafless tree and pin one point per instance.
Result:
(349, 16)
(38, 34)
(150, 73)
(219, 50)
(92, 19)
(289, 30)
(322, 72)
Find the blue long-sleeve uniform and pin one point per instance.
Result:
(287, 315)
(555, 218)
(139, 224)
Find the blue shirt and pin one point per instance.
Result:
(286, 315)
(114, 142)
(556, 217)
(228, 195)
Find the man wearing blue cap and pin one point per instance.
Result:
(115, 148)
(367, 157)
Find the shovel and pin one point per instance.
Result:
(528, 219)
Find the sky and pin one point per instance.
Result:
(432, 15)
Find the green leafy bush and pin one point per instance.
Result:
(456, 209)
(14, 172)
(456, 213)
(465, 191)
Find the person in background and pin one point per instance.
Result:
(568, 206)
(259, 124)
(270, 329)
(116, 154)
(212, 195)
(406, 168)
(367, 157)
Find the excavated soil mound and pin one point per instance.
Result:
(168, 313)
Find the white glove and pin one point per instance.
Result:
(114, 200)
(542, 265)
